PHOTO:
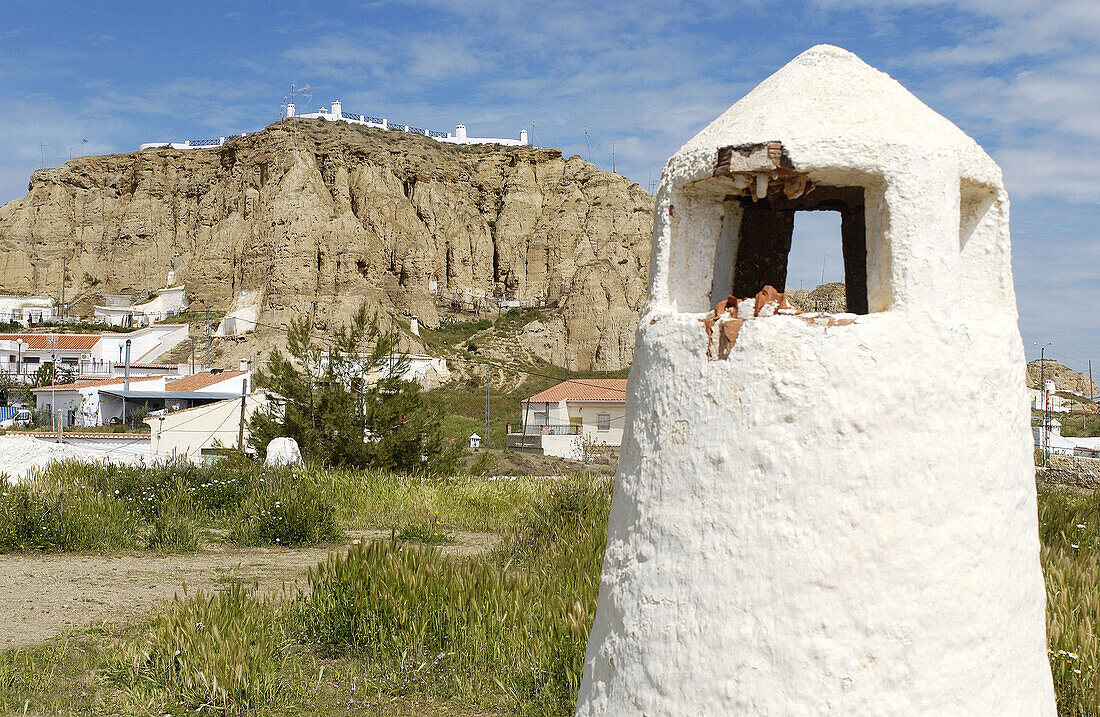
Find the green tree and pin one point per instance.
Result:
(346, 403)
(50, 374)
(9, 389)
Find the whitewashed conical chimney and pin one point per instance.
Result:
(825, 513)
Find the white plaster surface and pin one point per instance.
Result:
(835, 519)
(22, 455)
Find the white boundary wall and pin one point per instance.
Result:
(336, 114)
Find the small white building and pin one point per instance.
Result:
(104, 401)
(201, 433)
(1053, 442)
(123, 312)
(79, 401)
(27, 310)
(23, 353)
(243, 316)
(475, 441)
(573, 418)
(1048, 398)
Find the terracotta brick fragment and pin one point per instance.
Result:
(766, 295)
(708, 325)
(730, 329)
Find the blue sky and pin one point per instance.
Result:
(1021, 76)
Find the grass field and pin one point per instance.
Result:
(395, 626)
(389, 627)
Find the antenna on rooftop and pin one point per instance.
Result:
(589, 144)
(299, 97)
(42, 154)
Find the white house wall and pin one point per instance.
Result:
(589, 414)
(186, 433)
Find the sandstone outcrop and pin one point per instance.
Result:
(1065, 378)
(319, 217)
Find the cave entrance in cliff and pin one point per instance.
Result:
(761, 252)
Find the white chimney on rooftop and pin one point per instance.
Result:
(337, 110)
(290, 110)
(523, 136)
(460, 131)
(243, 366)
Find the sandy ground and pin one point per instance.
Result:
(42, 594)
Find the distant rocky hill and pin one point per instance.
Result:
(831, 298)
(318, 217)
(1065, 378)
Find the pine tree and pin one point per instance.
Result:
(346, 402)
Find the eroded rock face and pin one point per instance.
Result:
(319, 217)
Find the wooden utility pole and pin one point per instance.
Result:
(244, 399)
(486, 405)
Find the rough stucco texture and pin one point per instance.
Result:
(834, 519)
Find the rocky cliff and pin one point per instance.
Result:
(1065, 378)
(319, 217)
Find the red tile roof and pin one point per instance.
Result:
(77, 385)
(584, 389)
(202, 380)
(65, 342)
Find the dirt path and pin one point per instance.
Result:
(43, 594)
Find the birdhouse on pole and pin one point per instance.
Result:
(825, 512)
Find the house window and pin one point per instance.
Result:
(603, 422)
(542, 417)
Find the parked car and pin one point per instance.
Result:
(11, 416)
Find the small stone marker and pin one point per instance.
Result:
(283, 452)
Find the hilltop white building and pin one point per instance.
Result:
(336, 114)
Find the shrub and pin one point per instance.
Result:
(285, 511)
(1069, 527)
(219, 652)
(50, 514)
(518, 621)
(430, 532)
(174, 527)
